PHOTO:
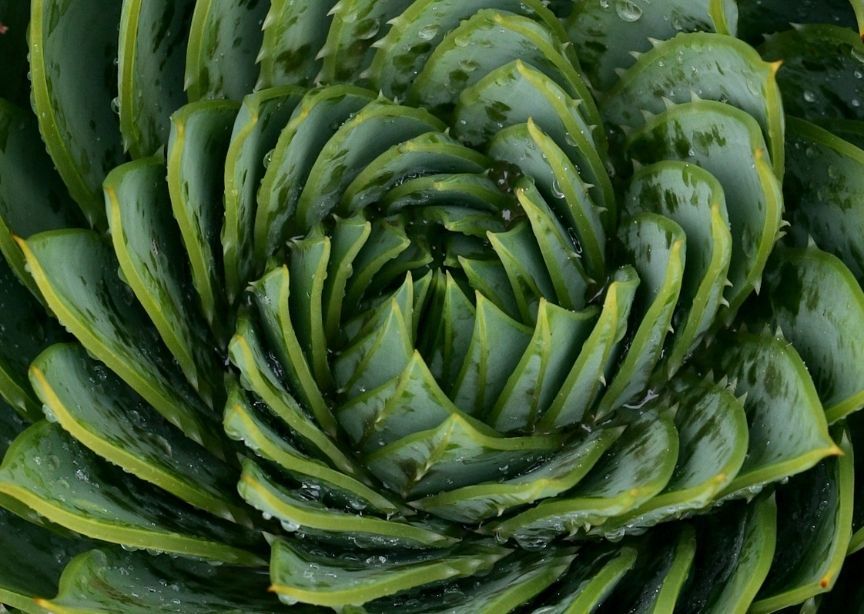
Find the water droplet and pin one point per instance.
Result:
(115, 105)
(628, 11)
(809, 96)
(427, 33)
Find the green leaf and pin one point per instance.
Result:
(272, 293)
(514, 582)
(818, 76)
(420, 29)
(712, 431)
(608, 35)
(477, 502)
(497, 343)
(25, 330)
(148, 247)
(582, 384)
(259, 376)
(361, 139)
(351, 40)
(820, 308)
(200, 133)
(152, 43)
(568, 195)
(293, 45)
(693, 199)
(535, 380)
(386, 242)
(657, 246)
(224, 39)
(300, 510)
(73, 81)
(788, 432)
(557, 247)
(101, 312)
(316, 118)
(636, 468)
(726, 142)
(468, 190)
(736, 546)
(711, 66)
(106, 416)
(591, 578)
(259, 122)
(486, 40)
(307, 260)
(654, 584)
(108, 581)
(448, 333)
(824, 191)
(518, 92)
(246, 422)
(489, 278)
(34, 560)
(428, 154)
(33, 198)
(523, 262)
(355, 581)
(814, 524)
(457, 452)
(63, 481)
(377, 356)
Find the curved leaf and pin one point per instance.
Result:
(63, 481)
(710, 67)
(694, 199)
(293, 44)
(257, 127)
(152, 44)
(106, 416)
(147, 245)
(73, 83)
(813, 530)
(110, 580)
(299, 510)
(355, 581)
(788, 432)
(101, 312)
(726, 142)
(316, 118)
(416, 32)
(224, 39)
(200, 134)
(824, 192)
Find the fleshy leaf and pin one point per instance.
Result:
(63, 481)
(110, 580)
(355, 581)
(814, 523)
(105, 415)
(151, 61)
(101, 312)
(224, 38)
(299, 510)
(73, 81)
(293, 45)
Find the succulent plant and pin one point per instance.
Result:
(431, 306)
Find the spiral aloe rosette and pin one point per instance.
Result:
(463, 306)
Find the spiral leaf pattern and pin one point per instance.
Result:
(431, 305)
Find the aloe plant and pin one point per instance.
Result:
(431, 306)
